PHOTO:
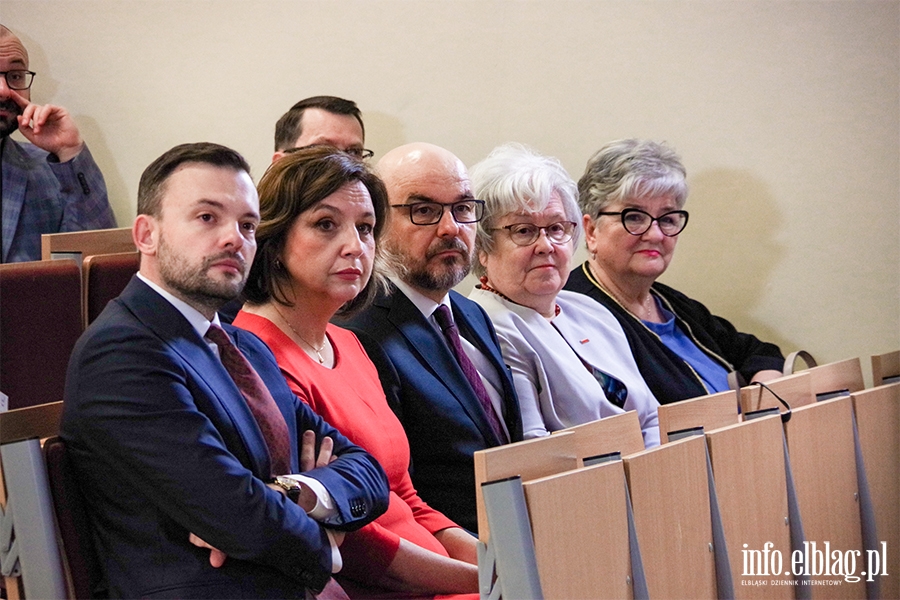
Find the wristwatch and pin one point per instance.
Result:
(290, 486)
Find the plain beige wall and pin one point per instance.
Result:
(787, 116)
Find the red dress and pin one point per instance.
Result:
(350, 397)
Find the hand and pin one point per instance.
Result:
(216, 557)
(338, 536)
(49, 127)
(308, 459)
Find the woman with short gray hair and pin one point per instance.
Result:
(570, 363)
(632, 197)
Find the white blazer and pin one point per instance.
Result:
(548, 359)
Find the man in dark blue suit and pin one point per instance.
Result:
(189, 492)
(429, 243)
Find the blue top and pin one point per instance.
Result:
(714, 375)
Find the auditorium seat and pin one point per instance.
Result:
(40, 321)
(105, 276)
(529, 459)
(79, 244)
(709, 412)
(71, 517)
(886, 368)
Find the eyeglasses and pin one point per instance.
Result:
(429, 213)
(638, 222)
(525, 234)
(358, 153)
(18, 79)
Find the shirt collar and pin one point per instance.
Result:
(195, 317)
(426, 305)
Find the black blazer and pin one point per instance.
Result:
(163, 445)
(427, 389)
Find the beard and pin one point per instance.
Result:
(194, 284)
(438, 276)
(10, 123)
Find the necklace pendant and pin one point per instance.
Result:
(320, 357)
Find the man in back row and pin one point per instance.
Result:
(436, 352)
(312, 121)
(184, 436)
(321, 120)
(51, 184)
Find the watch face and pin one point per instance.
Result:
(291, 487)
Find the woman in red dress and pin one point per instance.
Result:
(322, 212)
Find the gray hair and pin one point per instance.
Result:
(512, 178)
(631, 168)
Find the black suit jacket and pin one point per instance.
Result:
(163, 444)
(427, 389)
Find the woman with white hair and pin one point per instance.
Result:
(571, 363)
(632, 197)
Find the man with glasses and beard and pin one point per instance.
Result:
(51, 184)
(436, 352)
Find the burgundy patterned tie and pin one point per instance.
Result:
(259, 399)
(445, 320)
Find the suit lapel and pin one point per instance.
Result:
(473, 325)
(224, 398)
(15, 182)
(436, 355)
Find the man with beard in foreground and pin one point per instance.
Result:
(184, 436)
(51, 184)
(436, 352)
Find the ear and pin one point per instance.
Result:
(483, 258)
(145, 233)
(278, 154)
(589, 231)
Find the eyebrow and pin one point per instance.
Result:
(424, 198)
(216, 204)
(322, 205)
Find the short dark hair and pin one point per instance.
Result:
(153, 179)
(289, 127)
(292, 186)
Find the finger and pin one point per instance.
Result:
(338, 536)
(197, 541)
(308, 451)
(325, 452)
(42, 115)
(19, 99)
(217, 558)
(26, 116)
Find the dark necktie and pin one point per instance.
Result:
(445, 320)
(270, 420)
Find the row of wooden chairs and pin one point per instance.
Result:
(47, 304)
(684, 519)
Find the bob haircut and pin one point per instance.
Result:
(631, 168)
(515, 178)
(291, 186)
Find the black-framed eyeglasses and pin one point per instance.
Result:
(429, 213)
(638, 222)
(358, 153)
(18, 79)
(525, 234)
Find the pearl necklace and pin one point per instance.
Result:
(318, 350)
